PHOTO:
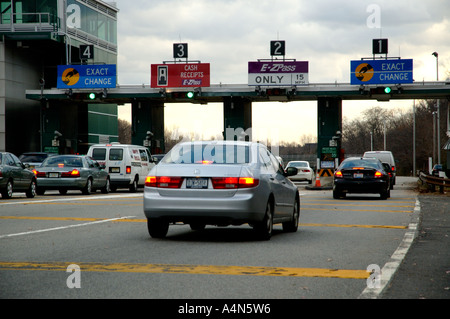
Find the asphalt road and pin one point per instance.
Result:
(106, 237)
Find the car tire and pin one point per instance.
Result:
(265, 227)
(337, 194)
(31, 191)
(40, 191)
(88, 188)
(107, 188)
(385, 194)
(157, 228)
(63, 191)
(8, 191)
(292, 226)
(133, 186)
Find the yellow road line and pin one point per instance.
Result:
(359, 210)
(85, 204)
(136, 220)
(356, 205)
(351, 226)
(191, 269)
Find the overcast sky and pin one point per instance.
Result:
(327, 33)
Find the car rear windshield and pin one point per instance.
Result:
(33, 158)
(63, 161)
(298, 164)
(208, 154)
(116, 154)
(366, 163)
(99, 154)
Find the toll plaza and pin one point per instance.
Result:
(67, 100)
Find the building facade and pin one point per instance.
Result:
(35, 37)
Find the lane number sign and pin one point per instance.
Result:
(277, 47)
(180, 50)
(86, 51)
(379, 46)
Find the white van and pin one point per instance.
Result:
(384, 157)
(127, 165)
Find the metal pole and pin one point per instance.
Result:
(438, 135)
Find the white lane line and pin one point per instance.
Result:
(64, 227)
(391, 267)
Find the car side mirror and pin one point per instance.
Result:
(290, 171)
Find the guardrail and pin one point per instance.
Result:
(433, 181)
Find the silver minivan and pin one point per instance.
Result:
(384, 157)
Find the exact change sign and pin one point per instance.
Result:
(282, 73)
(381, 71)
(86, 76)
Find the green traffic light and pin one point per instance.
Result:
(387, 90)
(190, 95)
(91, 96)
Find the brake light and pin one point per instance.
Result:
(128, 170)
(233, 182)
(393, 168)
(150, 181)
(38, 174)
(358, 168)
(378, 174)
(338, 174)
(73, 173)
(246, 182)
(224, 182)
(163, 181)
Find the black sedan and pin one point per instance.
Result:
(361, 175)
(15, 177)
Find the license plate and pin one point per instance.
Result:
(358, 175)
(114, 169)
(53, 175)
(197, 183)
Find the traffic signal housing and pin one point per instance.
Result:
(381, 93)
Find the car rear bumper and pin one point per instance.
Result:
(241, 207)
(349, 186)
(61, 183)
(120, 182)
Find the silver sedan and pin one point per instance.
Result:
(71, 172)
(220, 183)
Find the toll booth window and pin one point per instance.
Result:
(116, 154)
(99, 154)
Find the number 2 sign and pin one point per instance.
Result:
(277, 47)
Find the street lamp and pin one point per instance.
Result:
(436, 55)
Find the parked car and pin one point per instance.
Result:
(127, 165)
(220, 183)
(15, 177)
(304, 171)
(385, 157)
(361, 175)
(34, 159)
(71, 172)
